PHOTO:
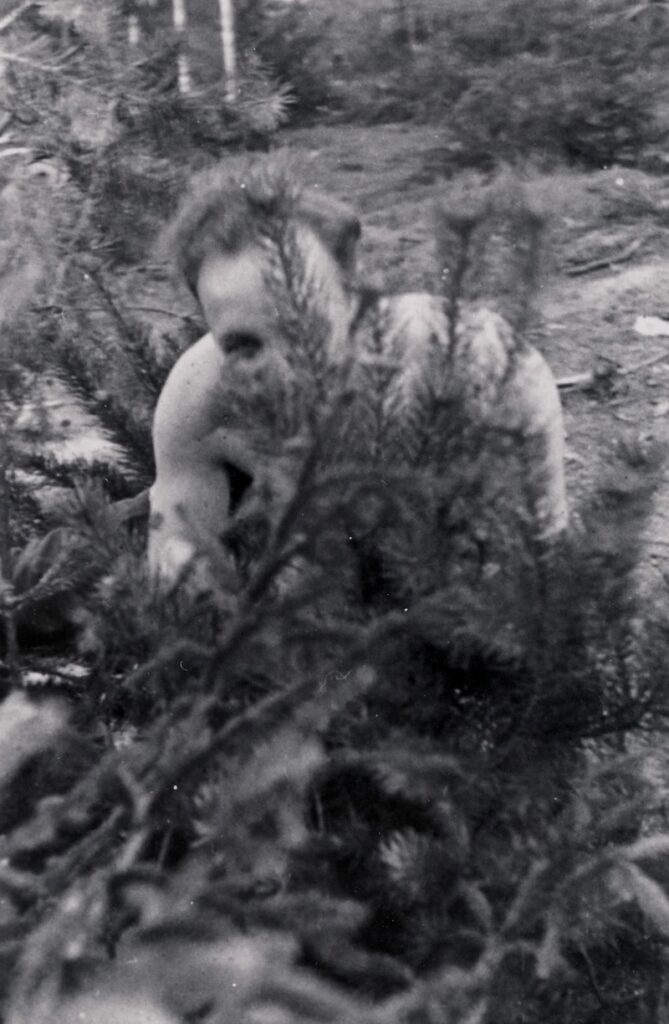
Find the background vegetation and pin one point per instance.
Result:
(418, 795)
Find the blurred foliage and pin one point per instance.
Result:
(290, 41)
(595, 116)
(568, 79)
(300, 799)
(409, 801)
(560, 80)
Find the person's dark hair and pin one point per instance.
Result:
(223, 209)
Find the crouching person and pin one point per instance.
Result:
(228, 421)
(214, 430)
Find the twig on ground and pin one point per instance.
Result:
(576, 380)
(584, 380)
(10, 18)
(606, 261)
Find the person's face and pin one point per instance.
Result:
(236, 303)
(240, 306)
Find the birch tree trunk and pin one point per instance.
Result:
(133, 30)
(229, 49)
(180, 21)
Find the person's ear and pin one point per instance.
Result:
(335, 223)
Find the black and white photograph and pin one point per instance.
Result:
(334, 511)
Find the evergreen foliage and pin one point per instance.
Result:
(288, 40)
(382, 776)
(298, 798)
(508, 80)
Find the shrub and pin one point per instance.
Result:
(559, 81)
(533, 104)
(288, 40)
(519, 77)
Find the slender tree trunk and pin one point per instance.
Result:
(407, 24)
(133, 30)
(229, 48)
(6, 591)
(180, 21)
(5, 535)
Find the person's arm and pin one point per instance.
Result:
(190, 497)
(533, 400)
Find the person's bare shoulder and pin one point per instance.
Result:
(532, 391)
(190, 395)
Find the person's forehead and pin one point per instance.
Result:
(225, 276)
(229, 270)
(229, 284)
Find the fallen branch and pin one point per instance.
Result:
(187, 318)
(600, 377)
(651, 361)
(16, 58)
(15, 151)
(10, 18)
(606, 261)
(584, 380)
(577, 380)
(57, 307)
